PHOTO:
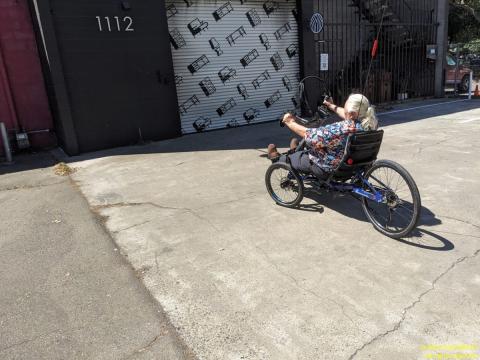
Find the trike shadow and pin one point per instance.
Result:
(350, 207)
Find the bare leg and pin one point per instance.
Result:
(293, 143)
(272, 152)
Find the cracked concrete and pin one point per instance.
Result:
(28, 187)
(460, 220)
(26, 341)
(241, 278)
(412, 305)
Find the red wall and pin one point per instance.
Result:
(23, 99)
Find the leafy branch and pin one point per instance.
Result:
(472, 9)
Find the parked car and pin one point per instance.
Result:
(462, 78)
(475, 63)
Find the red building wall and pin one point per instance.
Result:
(23, 99)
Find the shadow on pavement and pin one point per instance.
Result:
(419, 235)
(256, 136)
(350, 207)
(29, 161)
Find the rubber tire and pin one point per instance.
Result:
(465, 84)
(415, 196)
(287, 167)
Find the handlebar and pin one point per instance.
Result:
(321, 113)
(300, 120)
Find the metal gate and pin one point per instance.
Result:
(403, 67)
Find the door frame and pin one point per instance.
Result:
(53, 73)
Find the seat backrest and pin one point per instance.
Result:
(361, 151)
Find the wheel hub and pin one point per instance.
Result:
(391, 199)
(286, 184)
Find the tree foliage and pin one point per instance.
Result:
(473, 46)
(464, 21)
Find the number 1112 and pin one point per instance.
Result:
(125, 24)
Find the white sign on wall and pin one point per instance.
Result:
(323, 62)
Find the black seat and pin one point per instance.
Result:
(360, 152)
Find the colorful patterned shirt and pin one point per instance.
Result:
(327, 143)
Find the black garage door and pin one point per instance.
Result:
(117, 69)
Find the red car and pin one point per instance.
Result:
(463, 76)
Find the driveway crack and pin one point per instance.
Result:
(28, 187)
(132, 226)
(131, 204)
(149, 203)
(423, 147)
(459, 220)
(413, 304)
(26, 341)
(311, 292)
(144, 348)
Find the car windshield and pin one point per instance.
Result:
(450, 61)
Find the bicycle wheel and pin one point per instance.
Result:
(397, 215)
(284, 185)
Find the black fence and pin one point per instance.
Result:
(402, 67)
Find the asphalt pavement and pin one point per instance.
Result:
(66, 292)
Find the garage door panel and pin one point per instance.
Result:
(235, 64)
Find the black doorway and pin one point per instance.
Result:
(112, 72)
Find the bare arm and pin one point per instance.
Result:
(313, 137)
(289, 121)
(297, 128)
(337, 110)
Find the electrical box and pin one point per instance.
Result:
(22, 141)
(323, 62)
(432, 52)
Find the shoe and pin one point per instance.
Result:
(294, 144)
(272, 152)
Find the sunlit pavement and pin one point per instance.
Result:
(242, 278)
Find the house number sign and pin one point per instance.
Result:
(114, 23)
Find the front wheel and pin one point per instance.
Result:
(398, 213)
(284, 185)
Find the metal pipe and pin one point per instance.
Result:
(38, 131)
(470, 82)
(442, 37)
(6, 143)
(456, 70)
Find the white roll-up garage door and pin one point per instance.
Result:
(236, 62)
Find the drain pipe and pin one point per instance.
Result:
(6, 143)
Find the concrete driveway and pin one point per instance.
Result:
(242, 278)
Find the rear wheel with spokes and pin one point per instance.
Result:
(397, 215)
(284, 185)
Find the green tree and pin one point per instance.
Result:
(464, 21)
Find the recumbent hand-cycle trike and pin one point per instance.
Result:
(389, 196)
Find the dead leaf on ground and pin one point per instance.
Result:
(62, 169)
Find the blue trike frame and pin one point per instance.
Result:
(343, 187)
